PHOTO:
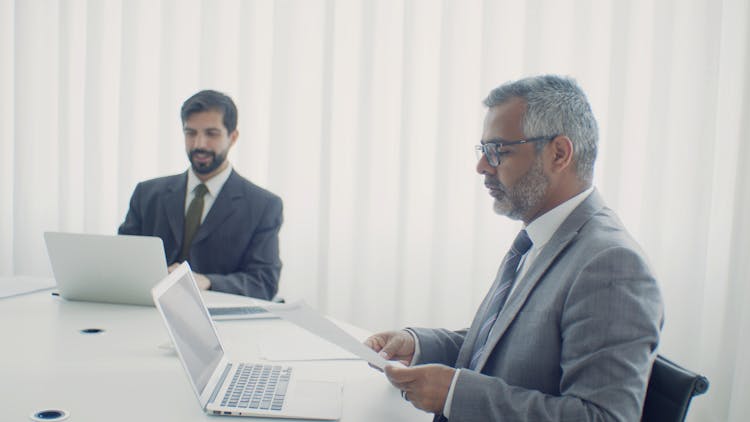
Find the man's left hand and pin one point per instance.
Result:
(425, 386)
(203, 282)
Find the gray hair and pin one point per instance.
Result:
(555, 105)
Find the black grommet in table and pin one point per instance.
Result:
(92, 331)
(49, 415)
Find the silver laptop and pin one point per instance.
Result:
(106, 268)
(234, 388)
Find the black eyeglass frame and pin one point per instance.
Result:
(491, 148)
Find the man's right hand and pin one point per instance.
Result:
(393, 345)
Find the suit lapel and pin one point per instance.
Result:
(567, 231)
(173, 202)
(222, 208)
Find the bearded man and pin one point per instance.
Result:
(570, 327)
(225, 226)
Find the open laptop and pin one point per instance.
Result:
(234, 388)
(106, 268)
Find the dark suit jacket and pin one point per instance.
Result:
(574, 342)
(236, 246)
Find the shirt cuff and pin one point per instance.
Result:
(449, 397)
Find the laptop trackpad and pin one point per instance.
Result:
(318, 399)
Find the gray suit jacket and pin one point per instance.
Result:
(574, 342)
(236, 246)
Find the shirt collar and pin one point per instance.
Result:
(213, 184)
(543, 227)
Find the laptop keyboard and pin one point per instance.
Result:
(257, 386)
(237, 310)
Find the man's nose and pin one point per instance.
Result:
(200, 141)
(484, 167)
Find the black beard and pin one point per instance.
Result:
(216, 161)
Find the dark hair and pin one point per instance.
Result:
(209, 100)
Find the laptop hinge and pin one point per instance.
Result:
(220, 383)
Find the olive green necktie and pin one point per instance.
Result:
(193, 219)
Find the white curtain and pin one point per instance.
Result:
(362, 115)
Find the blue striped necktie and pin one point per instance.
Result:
(499, 294)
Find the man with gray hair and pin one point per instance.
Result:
(570, 327)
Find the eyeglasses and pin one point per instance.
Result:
(491, 148)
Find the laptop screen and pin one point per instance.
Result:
(192, 331)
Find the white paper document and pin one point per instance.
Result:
(315, 348)
(302, 315)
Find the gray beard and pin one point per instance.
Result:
(525, 195)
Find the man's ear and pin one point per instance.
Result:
(562, 153)
(233, 137)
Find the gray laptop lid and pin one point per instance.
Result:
(193, 334)
(106, 268)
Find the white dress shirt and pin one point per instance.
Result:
(540, 231)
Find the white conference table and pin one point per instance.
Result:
(125, 373)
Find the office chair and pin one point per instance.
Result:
(670, 390)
